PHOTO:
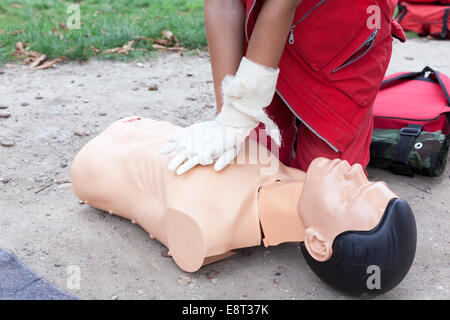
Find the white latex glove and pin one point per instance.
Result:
(203, 143)
(245, 96)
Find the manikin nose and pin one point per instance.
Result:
(356, 173)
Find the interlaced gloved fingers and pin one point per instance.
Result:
(188, 165)
(245, 96)
(201, 143)
(226, 158)
(177, 160)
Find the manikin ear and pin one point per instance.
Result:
(317, 246)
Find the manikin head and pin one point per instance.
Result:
(354, 228)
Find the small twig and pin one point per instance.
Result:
(420, 188)
(43, 188)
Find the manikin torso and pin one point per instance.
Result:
(202, 215)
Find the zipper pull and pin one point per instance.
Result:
(371, 38)
(291, 36)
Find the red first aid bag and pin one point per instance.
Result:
(411, 123)
(420, 98)
(425, 19)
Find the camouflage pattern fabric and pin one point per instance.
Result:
(427, 156)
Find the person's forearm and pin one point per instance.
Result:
(224, 22)
(270, 33)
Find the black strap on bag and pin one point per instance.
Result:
(445, 24)
(400, 163)
(433, 76)
(402, 11)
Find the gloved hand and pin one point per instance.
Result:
(245, 96)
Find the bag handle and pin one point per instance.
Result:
(433, 76)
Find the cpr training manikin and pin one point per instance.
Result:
(346, 224)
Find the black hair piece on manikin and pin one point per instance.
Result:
(390, 247)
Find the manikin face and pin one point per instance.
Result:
(337, 197)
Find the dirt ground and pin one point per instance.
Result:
(53, 113)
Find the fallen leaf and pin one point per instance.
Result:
(158, 47)
(163, 42)
(49, 64)
(7, 143)
(167, 42)
(122, 50)
(140, 38)
(30, 57)
(15, 32)
(169, 36)
(38, 61)
(200, 54)
(58, 33)
(153, 87)
(129, 46)
(176, 48)
(20, 48)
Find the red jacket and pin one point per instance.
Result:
(334, 61)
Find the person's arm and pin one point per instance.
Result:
(244, 86)
(224, 22)
(270, 33)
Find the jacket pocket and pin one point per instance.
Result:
(357, 71)
(326, 28)
(360, 52)
(360, 76)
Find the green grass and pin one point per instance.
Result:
(104, 25)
